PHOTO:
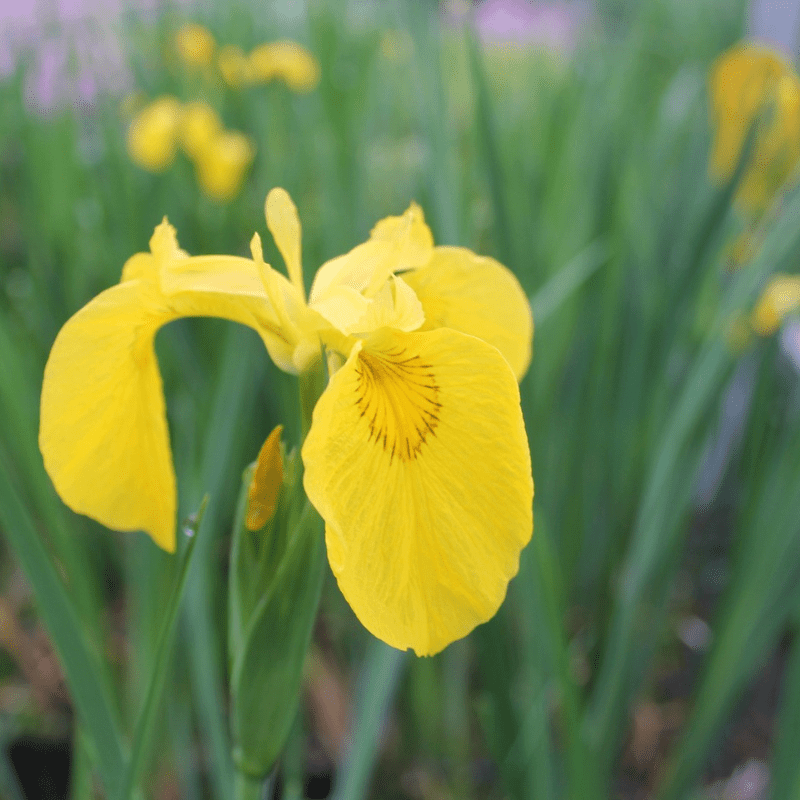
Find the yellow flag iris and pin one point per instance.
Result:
(752, 86)
(779, 299)
(417, 457)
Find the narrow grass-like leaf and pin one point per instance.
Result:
(785, 780)
(142, 740)
(383, 667)
(568, 280)
(81, 669)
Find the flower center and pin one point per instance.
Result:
(398, 397)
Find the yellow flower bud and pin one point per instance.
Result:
(265, 485)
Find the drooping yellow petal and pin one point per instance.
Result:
(284, 225)
(395, 244)
(265, 485)
(418, 462)
(152, 136)
(478, 296)
(780, 298)
(103, 431)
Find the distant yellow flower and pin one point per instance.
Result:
(200, 125)
(754, 87)
(234, 66)
(286, 61)
(780, 299)
(153, 134)
(417, 457)
(221, 165)
(195, 45)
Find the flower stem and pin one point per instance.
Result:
(248, 787)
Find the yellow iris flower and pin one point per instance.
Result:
(195, 44)
(780, 298)
(417, 457)
(153, 134)
(234, 66)
(221, 165)
(753, 85)
(286, 61)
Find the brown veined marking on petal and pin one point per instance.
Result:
(398, 397)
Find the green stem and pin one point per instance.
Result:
(247, 787)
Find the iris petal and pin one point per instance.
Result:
(418, 461)
(479, 296)
(103, 431)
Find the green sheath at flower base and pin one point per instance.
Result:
(276, 579)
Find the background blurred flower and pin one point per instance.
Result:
(199, 126)
(153, 134)
(286, 61)
(755, 86)
(195, 45)
(222, 164)
(234, 66)
(552, 25)
(777, 301)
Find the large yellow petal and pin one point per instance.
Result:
(418, 461)
(103, 431)
(478, 296)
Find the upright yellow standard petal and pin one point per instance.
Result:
(395, 244)
(284, 225)
(479, 296)
(417, 460)
(103, 432)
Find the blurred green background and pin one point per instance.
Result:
(648, 646)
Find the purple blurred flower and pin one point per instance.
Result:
(74, 48)
(553, 25)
